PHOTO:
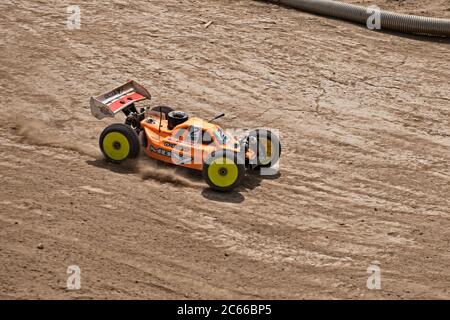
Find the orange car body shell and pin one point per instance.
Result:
(163, 142)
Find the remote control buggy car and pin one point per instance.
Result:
(174, 137)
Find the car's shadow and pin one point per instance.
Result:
(251, 180)
(128, 167)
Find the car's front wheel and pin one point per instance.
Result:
(266, 145)
(222, 171)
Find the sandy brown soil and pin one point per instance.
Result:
(365, 127)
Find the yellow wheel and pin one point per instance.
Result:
(222, 172)
(266, 145)
(116, 146)
(265, 151)
(119, 142)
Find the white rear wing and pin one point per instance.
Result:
(116, 100)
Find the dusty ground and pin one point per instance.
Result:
(365, 127)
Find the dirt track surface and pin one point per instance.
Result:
(364, 120)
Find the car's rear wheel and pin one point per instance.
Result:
(222, 172)
(119, 142)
